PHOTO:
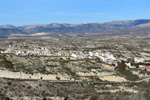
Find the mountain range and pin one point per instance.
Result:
(122, 27)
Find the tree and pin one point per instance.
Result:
(121, 66)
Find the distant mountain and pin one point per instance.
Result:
(8, 26)
(140, 26)
(9, 31)
(83, 28)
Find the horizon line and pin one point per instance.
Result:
(75, 23)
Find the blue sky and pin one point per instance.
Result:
(24, 12)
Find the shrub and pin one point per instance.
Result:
(94, 96)
(6, 98)
(28, 87)
(58, 78)
(129, 75)
(9, 83)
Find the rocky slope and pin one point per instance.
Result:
(46, 90)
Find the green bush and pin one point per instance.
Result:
(129, 75)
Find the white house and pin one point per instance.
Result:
(73, 55)
(128, 64)
(138, 60)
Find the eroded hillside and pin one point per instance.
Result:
(62, 67)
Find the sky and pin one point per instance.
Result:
(25, 12)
